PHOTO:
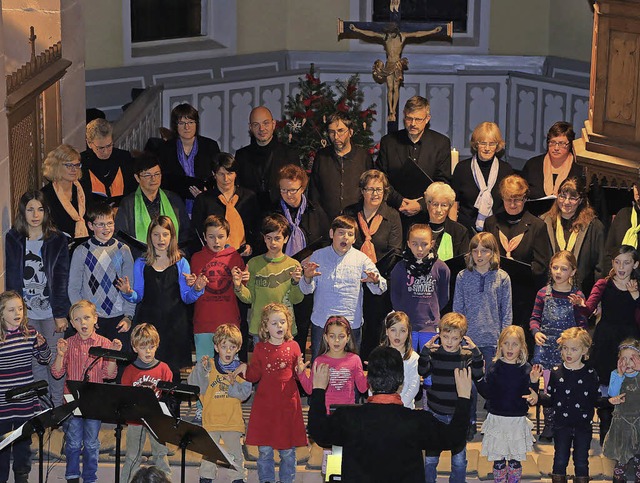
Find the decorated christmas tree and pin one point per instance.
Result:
(304, 126)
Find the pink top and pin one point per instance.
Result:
(345, 375)
(77, 359)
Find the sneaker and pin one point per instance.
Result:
(206, 480)
(197, 419)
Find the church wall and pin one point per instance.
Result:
(104, 42)
(5, 217)
(519, 27)
(571, 29)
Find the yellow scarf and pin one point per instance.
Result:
(631, 236)
(562, 243)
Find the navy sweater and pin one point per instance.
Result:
(503, 387)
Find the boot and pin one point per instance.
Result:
(547, 433)
(580, 479)
(619, 479)
(558, 478)
(500, 476)
(514, 475)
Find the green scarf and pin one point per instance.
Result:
(142, 218)
(631, 236)
(445, 250)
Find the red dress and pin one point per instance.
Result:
(276, 413)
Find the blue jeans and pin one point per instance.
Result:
(267, 465)
(20, 450)
(81, 435)
(488, 353)
(563, 437)
(458, 460)
(316, 339)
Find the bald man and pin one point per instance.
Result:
(259, 162)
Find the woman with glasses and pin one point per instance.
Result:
(450, 237)
(309, 223)
(64, 195)
(522, 237)
(545, 173)
(573, 225)
(476, 180)
(186, 158)
(380, 238)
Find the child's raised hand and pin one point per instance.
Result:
(320, 375)
(540, 338)
(470, 345)
(116, 344)
(632, 287)
(373, 277)
(124, 325)
(531, 398)
(201, 282)
(432, 344)
(240, 370)
(205, 363)
(301, 365)
(619, 399)
(310, 271)
(576, 299)
(61, 324)
(635, 362)
(40, 340)
(536, 373)
(296, 274)
(123, 284)
(247, 251)
(62, 346)
(463, 382)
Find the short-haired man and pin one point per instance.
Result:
(149, 201)
(382, 440)
(107, 172)
(258, 163)
(337, 168)
(413, 158)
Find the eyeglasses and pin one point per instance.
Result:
(289, 192)
(339, 132)
(186, 123)
(102, 149)
(150, 175)
(444, 206)
(570, 199)
(373, 191)
(485, 144)
(515, 201)
(108, 224)
(559, 144)
(72, 166)
(417, 120)
(265, 124)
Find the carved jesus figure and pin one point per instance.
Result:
(392, 72)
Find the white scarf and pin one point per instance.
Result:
(484, 201)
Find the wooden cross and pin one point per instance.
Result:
(32, 41)
(393, 35)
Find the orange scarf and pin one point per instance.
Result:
(76, 215)
(510, 245)
(236, 237)
(367, 247)
(385, 399)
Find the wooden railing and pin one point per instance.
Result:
(141, 121)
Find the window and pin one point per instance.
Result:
(421, 11)
(165, 19)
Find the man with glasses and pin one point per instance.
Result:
(412, 159)
(258, 163)
(149, 201)
(337, 168)
(107, 172)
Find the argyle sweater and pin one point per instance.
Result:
(95, 266)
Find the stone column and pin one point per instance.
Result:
(5, 200)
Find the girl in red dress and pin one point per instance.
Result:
(276, 415)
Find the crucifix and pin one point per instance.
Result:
(393, 35)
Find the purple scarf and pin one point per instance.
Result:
(297, 240)
(188, 164)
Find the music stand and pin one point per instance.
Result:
(38, 424)
(112, 403)
(187, 435)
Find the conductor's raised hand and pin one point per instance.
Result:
(463, 382)
(320, 375)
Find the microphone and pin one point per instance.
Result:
(175, 388)
(37, 388)
(97, 351)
